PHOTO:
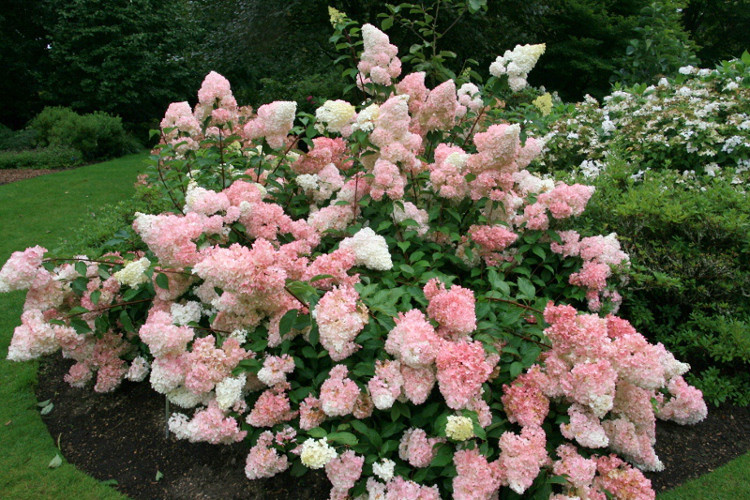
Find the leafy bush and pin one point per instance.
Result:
(18, 140)
(662, 44)
(97, 135)
(370, 290)
(52, 157)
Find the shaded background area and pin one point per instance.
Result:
(133, 57)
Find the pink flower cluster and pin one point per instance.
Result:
(340, 319)
(378, 62)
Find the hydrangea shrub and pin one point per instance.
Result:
(379, 291)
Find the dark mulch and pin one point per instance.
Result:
(120, 437)
(18, 174)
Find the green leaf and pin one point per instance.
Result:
(80, 326)
(526, 288)
(162, 281)
(287, 321)
(125, 321)
(159, 475)
(55, 462)
(81, 268)
(47, 409)
(95, 296)
(346, 438)
(317, 432)
(387, 23)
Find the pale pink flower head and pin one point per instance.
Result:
(387, 181)
(385, 386)
(580, 471)
(33, 338)
(584, 427)
(476, 479)
(462, 368)
(418, 449)
(497, 149)
(522, 457)
(310, 413)
(413, 86)
(413, 340)
(378, 61)
(524, 401)
(21, 269)
(345, 470)
(622, 480)
(162, 337)
(440, 109)
(338, 394)
(274, 121)
(264, 460)
(180, 116)
(492, 241)
(453, 309)
(208, 425)
(275, 369)
(632, 443)
(214, 87)
(418, 382)
(340, 318)
(686, 405)
(272, 407)
(447, 173)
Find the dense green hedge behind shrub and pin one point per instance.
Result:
(688, 238)
(98, 136)
(53, 157)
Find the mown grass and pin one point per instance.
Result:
(44, 210)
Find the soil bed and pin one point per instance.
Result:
(120, 437)
(18, 174)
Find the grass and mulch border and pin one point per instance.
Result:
(46, 209)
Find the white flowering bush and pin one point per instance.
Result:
(380, 290)
(696, 122)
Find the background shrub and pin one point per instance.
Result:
(97, 135)
(52, 157)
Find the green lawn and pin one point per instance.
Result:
(42, 211)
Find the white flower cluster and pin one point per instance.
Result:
(517, 64)
(183, 314)
(229, 391)
(366, 118)
(185, 398)
(384, 469)
(308, 182)
(316, 453)
(138, 370)
(335, 116)
(459, 428)
(370, 250)
(133, 274)
(469, 96)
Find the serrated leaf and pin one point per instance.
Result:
(55, 462)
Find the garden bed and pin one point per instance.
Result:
(102, 435)
(18, 174)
